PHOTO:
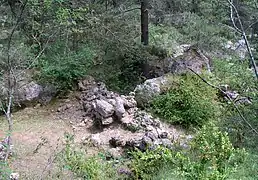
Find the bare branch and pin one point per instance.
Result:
(232, 19)
(252, 61)
(230, 99)
(11, 83)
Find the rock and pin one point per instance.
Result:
(149, 140)
(116, 142)
(104, 108)
(86, 83)
(115, 153)
(119, 108)
(129, 101)
(48, 93)
(180, 50)
(163, 142)
(107, 121)
(163, 135)
(28, 93)
(14, 176)
(64, 107)
(192, 58)
(95, 140)
(238, 48)
(146, 92)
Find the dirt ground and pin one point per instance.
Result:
(38, 136)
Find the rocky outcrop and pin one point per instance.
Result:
(184, 57)
(238, 48)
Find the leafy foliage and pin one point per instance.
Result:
(83, 166)
(63, 70)
(211, 156)
(191, 103)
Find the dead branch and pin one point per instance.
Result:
(11, 84)
(242, 30)
(230, 99)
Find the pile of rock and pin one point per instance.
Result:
(138, 128)
(103, 105)
(149, 140)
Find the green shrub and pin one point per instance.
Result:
(210, 156)
(122, 70)
(237, 75)
(5, 170)
(191, 103)
(63, 70)
(146, 164)
(83, 165)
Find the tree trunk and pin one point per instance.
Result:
(144, 22)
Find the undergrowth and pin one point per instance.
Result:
(192, 103)
(63, 69)
(85, 166)
(210, 156)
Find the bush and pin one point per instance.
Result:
(210, 156)
(146, 164)
(237, 75)
(84, 166)
(5, 170)
(122, 70)
(63, 70)
(192, 103)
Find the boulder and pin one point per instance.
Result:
(104, 108)
(27, 92)
(193, 58)
(119, 108)
(146, 92)
(238, 48)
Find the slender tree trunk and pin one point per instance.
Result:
(144, 22)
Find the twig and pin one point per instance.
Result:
(230, 99)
